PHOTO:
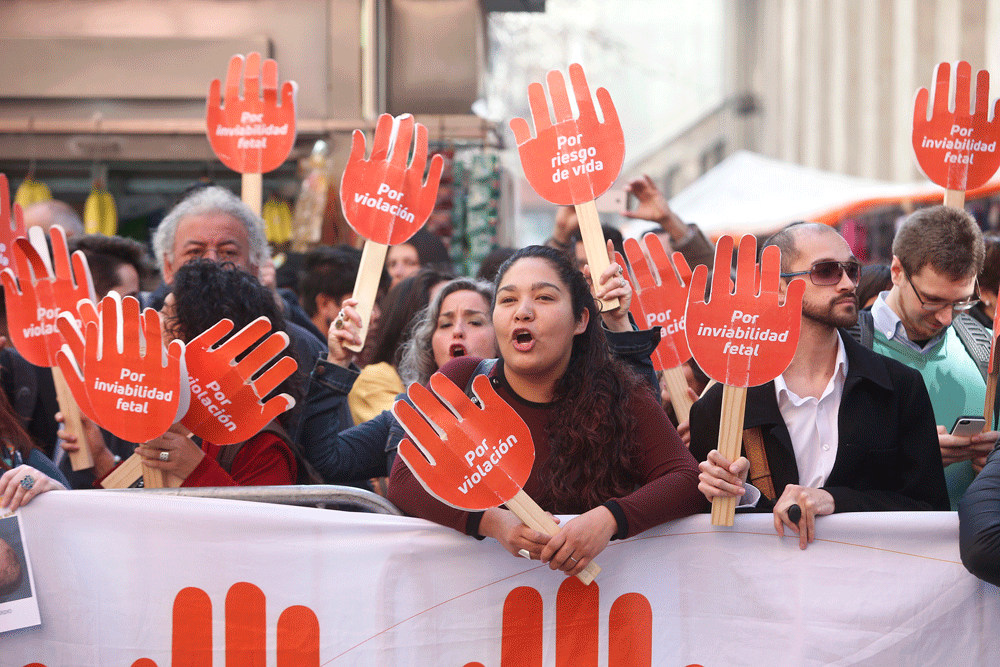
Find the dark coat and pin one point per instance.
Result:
(887, 453)
(979, 522)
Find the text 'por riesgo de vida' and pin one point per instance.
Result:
(582, 158)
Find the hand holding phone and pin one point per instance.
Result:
(968, 426)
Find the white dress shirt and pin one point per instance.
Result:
(812, 423)
(812, 426)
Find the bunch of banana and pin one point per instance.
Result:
(277, 220)
(99, 213)
(31, 192)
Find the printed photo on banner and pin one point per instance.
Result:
(18, 606)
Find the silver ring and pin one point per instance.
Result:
(27, 482)
(524, 553)
(339, 322)
(573, 559)
(164, 456)
(623, 281)
(619, 271)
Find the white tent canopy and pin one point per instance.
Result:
(750, 193)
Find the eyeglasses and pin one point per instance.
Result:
(956, 306)
(829, 273)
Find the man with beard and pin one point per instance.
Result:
(924, 322)
(842, 429)
(213, 223)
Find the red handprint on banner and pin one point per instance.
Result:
(470, 457)
(385, 200)
(574, 160)
(297, 637)
(132, 382)
(36, 294)
(246, 630)
(957, 149)
(226, 405)
(661, 295)
(251, 134)
(630, 629)
(11, 224)
(747, 337)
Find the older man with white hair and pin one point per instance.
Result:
(214, 223)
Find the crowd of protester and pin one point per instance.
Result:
(890, 345)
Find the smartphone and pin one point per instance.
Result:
(966, 427)
(612, 201)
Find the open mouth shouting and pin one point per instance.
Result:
(457, 350)
(523, 340)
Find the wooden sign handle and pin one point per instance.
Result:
(677, 387)
(253, 192)
(159, 479)
(954, 199)
(594, 245)
(366, 286)
(153, 479)
(131, 469)
(734, 403)
(991, 399)
(534, 517)
(125, 475)
(81, 459)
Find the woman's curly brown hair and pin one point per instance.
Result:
(594, 452)
(206, 292)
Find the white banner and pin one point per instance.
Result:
(123, 578)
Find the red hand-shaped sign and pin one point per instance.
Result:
(36, 297)
(481, 458)
(10, 227)
(743, 339)
(136, 391)
(661, 296)
(994, 365)
(226, 404)
(250, 134)
(575, 160)
(70, 357)
(957, 149)
(385, 200)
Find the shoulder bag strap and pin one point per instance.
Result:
(976, 338)
(760, 470)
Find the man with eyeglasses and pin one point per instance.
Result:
(842, 429)
(923, 322)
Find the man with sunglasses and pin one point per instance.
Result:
(923, 322)
(842, 429)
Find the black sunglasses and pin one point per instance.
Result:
(829, 273)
